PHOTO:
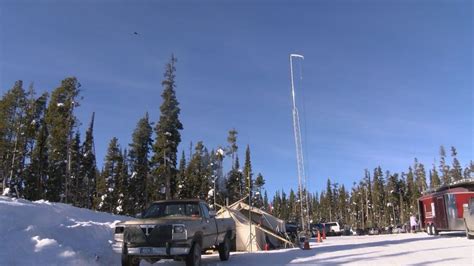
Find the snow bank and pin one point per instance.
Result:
(44, 233)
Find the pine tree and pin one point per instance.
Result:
(329, 200)
(275, 209)
(140, 190)
(88, 171)
(284, 207)
(198, 182)
(443, 167)
(412, 191)
(420, 179)
(393, 198)
(167, 129)
(434, 178)
(232, 148)
(60, 121)
(456, 170)
(259, 183)
(110, 178)
(293, 207)
(37, 171)
(378, 198)
(123, 205)
(181, 177)
(248, 175)
(469, 170)
(235, 182)
(20, 111)
(342, 202)
(76, 181)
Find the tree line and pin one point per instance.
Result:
(379, 199)
(43, 155)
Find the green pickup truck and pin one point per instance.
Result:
(174, 229)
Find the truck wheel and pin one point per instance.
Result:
(434, 230)
(194, 257)
(428, 229)
(224, 249)
(130, 261)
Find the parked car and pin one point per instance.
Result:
(174, 229)
(469, 218)
(399, 229)
(314, 228)
(374, 231)
(333, 229)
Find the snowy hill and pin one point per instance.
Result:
(43, 233)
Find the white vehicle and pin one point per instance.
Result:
(333, 229)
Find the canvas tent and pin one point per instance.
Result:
(263, 228)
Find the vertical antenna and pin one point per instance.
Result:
(299, 148)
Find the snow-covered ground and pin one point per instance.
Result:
(42, 233)
(397, 249)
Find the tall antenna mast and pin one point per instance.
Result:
(299, 147)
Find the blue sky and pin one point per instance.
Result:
(383, 81)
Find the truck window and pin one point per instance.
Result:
(205, 211)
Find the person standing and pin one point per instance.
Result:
(413, 223)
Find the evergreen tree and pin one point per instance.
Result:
(60, 121)
(168, 137)
(469, 170)
(37, 171)
(123, 204)
(443, 167)
(232, 148)
(181, 177)
(378, 197)
(329, 200)
(275, 209)
(110, 178)
(36, 150)
(284, 207)
(235, 182)
(76, 182)
(198, 182)
(411, 190)
(456, 170)
(434, 178)
(393, 198)
(293, 207)
(259, 183)
(342, 203)
(139, 191)
(20, 112)
(88, 171)
(248, 175)
(420, 179)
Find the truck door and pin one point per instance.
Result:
(209, 228)
(440, 220)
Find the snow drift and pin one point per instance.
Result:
(43, 233)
